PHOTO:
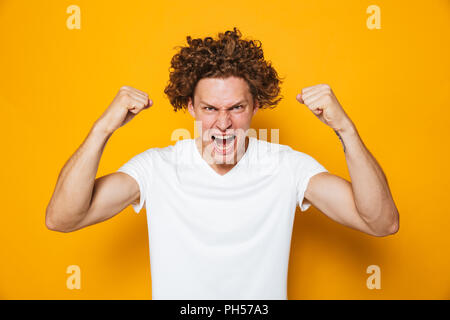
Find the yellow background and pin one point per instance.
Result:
(392, 82)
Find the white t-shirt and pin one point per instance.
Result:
(220, 237)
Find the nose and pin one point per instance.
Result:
(223, 120)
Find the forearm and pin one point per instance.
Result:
(73, 191)
(373, 198)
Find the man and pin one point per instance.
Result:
(221, 206)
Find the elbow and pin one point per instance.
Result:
(396, 223)
(395, 227)
(392, 228)
(52, 225)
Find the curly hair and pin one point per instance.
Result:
(229, 55)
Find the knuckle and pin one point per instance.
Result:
(136, 103)
(124, 97)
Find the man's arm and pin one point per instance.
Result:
(79, 199)
(334, 196)
(365, 204)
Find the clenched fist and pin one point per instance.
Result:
(127, 103)
(321, 100)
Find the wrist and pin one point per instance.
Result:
(101, 130)
(347, 129)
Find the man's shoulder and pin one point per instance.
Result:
(265, 148)
(281, 152)
(170, 152)
(268, 154)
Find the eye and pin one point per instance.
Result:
(210, 108)
(238, 107)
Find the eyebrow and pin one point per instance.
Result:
(234, 105)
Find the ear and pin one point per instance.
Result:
(191, 108)
(255, 106)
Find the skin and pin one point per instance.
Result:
(80, 199)
(365, 204)
(222, 106)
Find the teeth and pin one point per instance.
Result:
(223, 146)
(224, 137)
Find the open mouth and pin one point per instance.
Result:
(223, 143)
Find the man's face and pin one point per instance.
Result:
(225, 109)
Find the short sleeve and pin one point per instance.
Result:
(139, 168)
(304, 168)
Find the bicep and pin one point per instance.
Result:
(333, 196)
(111, 194)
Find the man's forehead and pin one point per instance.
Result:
(222, 92)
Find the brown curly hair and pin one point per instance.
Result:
(229, 55)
